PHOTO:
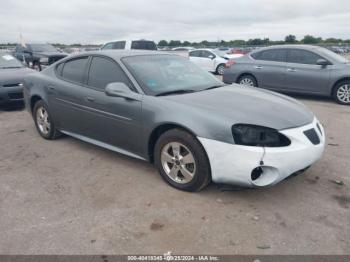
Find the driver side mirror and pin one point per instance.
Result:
(211, 57)
(322, 62)
(119, 89)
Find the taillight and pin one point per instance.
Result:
(229, 63)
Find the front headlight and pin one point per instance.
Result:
(44, 60)
(251, 135)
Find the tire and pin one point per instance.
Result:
(175, 170)
(220, 69)
(248, 80)
(44, 122)
(341, 93)
(36, 66)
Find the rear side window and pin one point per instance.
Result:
(278, 55)
(196, 53)
(302, 57)
(143, 45)
(74, 70)
(104, 71)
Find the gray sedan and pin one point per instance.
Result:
(164, 109)
(294, 68)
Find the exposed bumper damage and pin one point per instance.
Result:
(234, 164)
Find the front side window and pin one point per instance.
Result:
(108, 46)
(119, 45)
(207, 54)
(157, 74)
(196, 53)
(73, 70)
(302, 57)
(104, 71)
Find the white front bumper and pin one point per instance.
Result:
(233, 164)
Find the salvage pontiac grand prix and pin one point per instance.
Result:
(164, 109)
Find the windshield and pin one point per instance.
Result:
(42, 48)
(158, 74)
(8, 61)
(333, 56)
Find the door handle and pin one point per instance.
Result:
(291, 70)
(89, 99)
(258, 67)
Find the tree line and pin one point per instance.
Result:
(289, 39)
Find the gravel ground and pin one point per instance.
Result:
(70, 197)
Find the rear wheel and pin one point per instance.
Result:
(43, 121)
(247, 80)
(182, 161)
(341, 93)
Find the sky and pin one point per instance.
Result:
(99, 21)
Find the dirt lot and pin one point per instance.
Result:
(69, 197)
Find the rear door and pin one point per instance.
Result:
(65, 95)
(269, 68)
(303, 73)
(195, 57)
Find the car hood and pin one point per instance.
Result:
(14, 75)
(249, 105)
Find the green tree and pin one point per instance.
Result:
(309, 39)
(186, 43)
(174, 43)
(290, 39)
(163, 43)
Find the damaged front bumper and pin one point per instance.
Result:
(235, 164)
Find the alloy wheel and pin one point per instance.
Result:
(246, 81)
(221, 70)
(343, 93)
(43, 121)
(178, 162)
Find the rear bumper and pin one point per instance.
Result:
(233, 164)
(9, 95)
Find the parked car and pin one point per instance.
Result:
(12, 73)
(130, 45)
(164, 109)
(183, 48)
(38, 56)
(211, 60)
(294, 68)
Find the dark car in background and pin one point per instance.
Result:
(294, 68)
(38, 56)
(12, 73)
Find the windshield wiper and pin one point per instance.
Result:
(213, 87)
(179, 91)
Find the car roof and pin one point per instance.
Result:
(120, 53)
(304, 47)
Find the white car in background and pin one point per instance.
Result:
(212, 60)
(131, 45)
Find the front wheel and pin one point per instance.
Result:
(248, 80)
(43, 121)
(220, 69)
(342, 93)
(182, 161)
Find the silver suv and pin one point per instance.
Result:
(294, 68)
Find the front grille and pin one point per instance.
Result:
(17, 95)
(312, 136)
(54, 59)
